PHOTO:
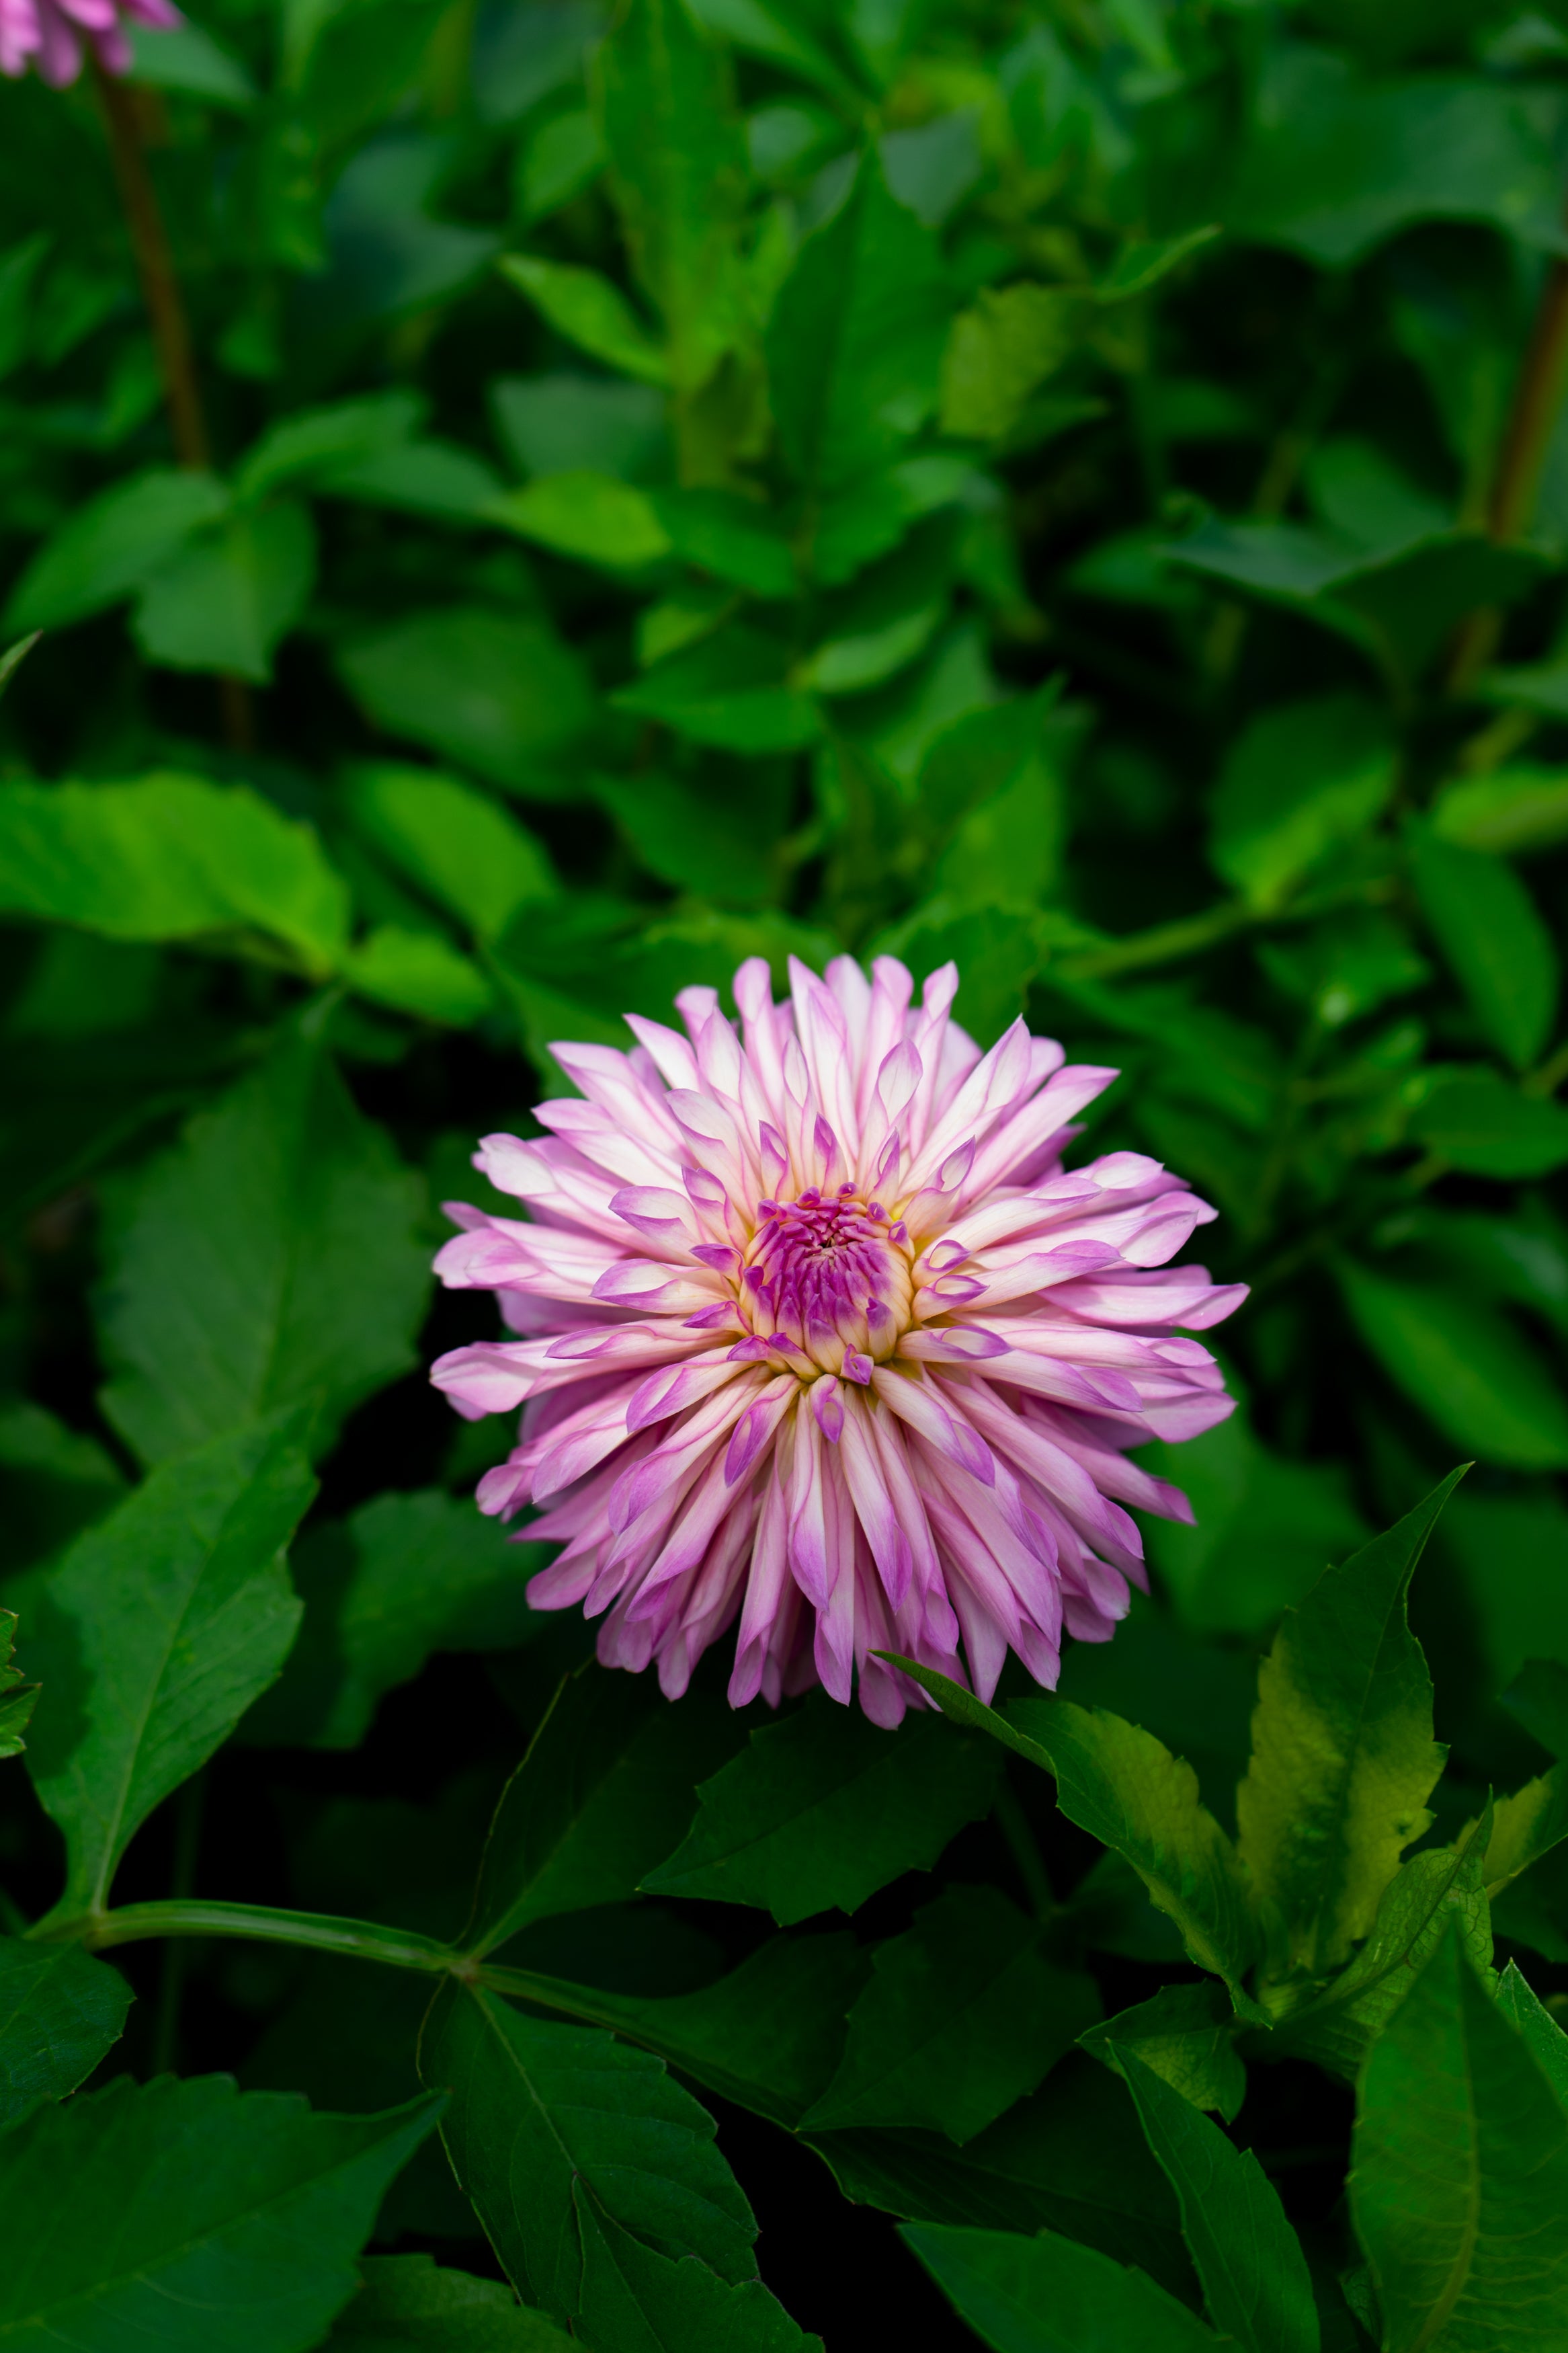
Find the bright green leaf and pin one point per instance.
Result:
(998, 353)
(590, 516)
(1526, 1826)
(1299, 782)
(419, 973)
(1186, 2033)
(591, 313)
(1514, 808)
(471, 855)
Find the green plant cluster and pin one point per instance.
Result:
(1076, 488)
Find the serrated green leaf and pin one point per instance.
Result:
(157, 1631)
(1257, 2286)
(1186, 2033)
(1494, 940)
(190, 2215)
(60, 2012)
(1125, 1788)
(18, 1696)
(1343, 1755)
(1048, 2295)
(407, 2304)
(1543, 2038)
(607, 1783)
(1460, 2186)
(962, 2017)
(634, 2294)
(271, 1258)
(820, 1810)
(1526, 1826)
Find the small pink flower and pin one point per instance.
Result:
(50, 34)
(819, 1333)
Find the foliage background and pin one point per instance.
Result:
(1069, 488)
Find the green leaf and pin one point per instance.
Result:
(732, 538)
(730, 692)
(1513, 809)
(712, 840)
(184, 57)
(1339, 2026)
(1541, 2035)
(1538, 1696)
(12, 658)
(855, 342)
(157, 1631)
(1525, 1827)
(1460, 2186)
(564, 157)
(590, 516)
(1499, 950)
(1187, 2034)
(1343, 1759)
(636, 2295)
(16, 1704)
(1048, 2295)
(306, 448)
(435, 480)
(419, 973)
(1143, 262)
(1126, 1789)
(171, 858)
(539, 2110)
(224, 601)
(963, 2016)
(591, 313)
(404, 1576)
(60, 2012)
(1299, 782)
(677, 169)
(111, 544)
(605, 1790)
(470, 855)
(563, 424)
(189, 2215)
(1484, 1126)
(1257, 2286)
(272, 1257)
(999, 352)
(406, 2301)
(822, 1808)
(1464, 1364)
(498, 693)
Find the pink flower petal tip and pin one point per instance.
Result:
(817, 1334)
(53, 35)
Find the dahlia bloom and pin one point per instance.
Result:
(50, 34)
(818, 1332)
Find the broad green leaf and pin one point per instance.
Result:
(271, 1258)
(591, 516)
(1070, 2158)
(1499, 950)
(498, 693)
(1481, 1125)
(1257, 2286)
(932, 168)
(1525, 1827)
(406, 1575)
(1543, 2036)
(721, 843)
(678, 170)
(1187, 2034)
(730, 692)
(1460, 2182)
(189, 2216)
(1464, 1364)
(1339, 2026)
(407, 2304)
(999, 352)
(590, 312)
(224, 601)
(1513, 809)
(823, 1809)
(18, 1696)
(537, 2110)
(60, 2012)
(1343, 1759)
(731, 537)
(962, 2017)
(634, 2294)
(55, 1480)
(854, 341)
(565, 156)
(171, 858)
(303, 449)
(1125, 1788)
(435, 480)
(1299, 782)
(419, 973)
(157, 1631)
(1048, 2295)
(607, 1784)
(562, 424)
(468, 853)
(111, 544)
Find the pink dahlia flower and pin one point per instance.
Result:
(818, 1332)
(50, 34)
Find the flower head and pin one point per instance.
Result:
(819, 1333)
(50, 34)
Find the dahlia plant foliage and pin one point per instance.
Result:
(821, 1336)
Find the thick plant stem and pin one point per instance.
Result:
(188, 1806)
(364, 1941)
(171, 330)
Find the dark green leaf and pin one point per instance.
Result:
(405, 2301)
(730, 692)
(1257, 2286)
(571, 424)
(458, 845)
(18, 1696)
(1344, 1758)
(1049, 2295)
(1299, 782)
(1474, 1119)
(224, 601)
(271, 1258)
(1542, 2035)
(1464, 1364)
(824, 1807)
(111, 544)
(157, 1631)
(1500, 950)
(496, 691)
(189, 2216)
(1187, 2034)
(60, 2012)
(1539, 1698)
(963, 2016)
(1460, 2180)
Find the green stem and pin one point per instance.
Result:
(1164, 943)
(176, 1957)
(363, 1940)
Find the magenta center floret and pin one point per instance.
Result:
(828, 1273)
